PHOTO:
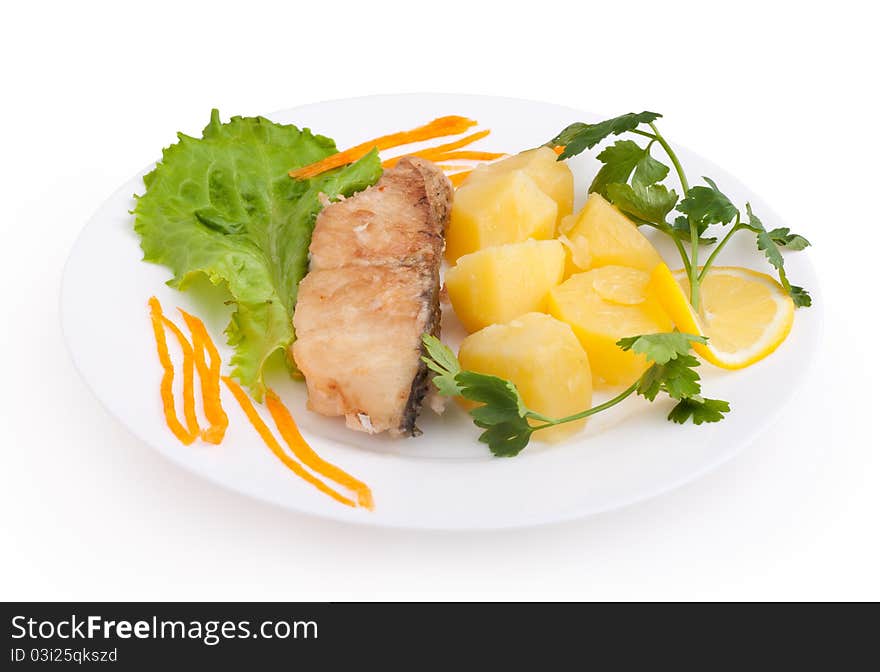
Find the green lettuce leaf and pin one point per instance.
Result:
(223, 205)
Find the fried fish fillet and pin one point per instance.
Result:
(371, 292)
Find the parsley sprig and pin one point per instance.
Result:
(632, 179)
(508, 424)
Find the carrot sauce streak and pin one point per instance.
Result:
(166, 387)
(189, 399)
(458, 178)
(270, 440)
(469, 156)
(209, 374)
(450, 125)
(431, 153)
(290, 433)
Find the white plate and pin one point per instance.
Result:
(445, 478)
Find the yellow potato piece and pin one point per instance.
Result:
(497, 284)
(602, 306)
(600, 235)
(544, 359)
(505, 208)
(553, 177)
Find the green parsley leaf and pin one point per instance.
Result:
(673, 366)
(681, 227)
(755, 223)
(661, 348)
(440, 358)
(783, 237)
(580, 136)
(498, 394)
(620, 160)
(768, 247)
(769, 243)
(699, 410)
(707, 205)
(800, 296)
(649, 170)
(676, 377)
(506, 439)
(651, 203)
(443, 362)
(502, 413)
(567, 134)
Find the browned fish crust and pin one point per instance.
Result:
(372, 290)
(419, 388)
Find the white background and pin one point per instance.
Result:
(782, 95)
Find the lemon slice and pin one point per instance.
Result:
(746, 315)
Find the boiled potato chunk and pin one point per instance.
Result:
(564, 225)
(543, 358)
(553, 177)
(497, 284)
(504, 208)
(601, 235)
(602, 306)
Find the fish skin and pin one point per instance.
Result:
(372, 290)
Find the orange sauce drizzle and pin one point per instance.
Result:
(291, 435)
(432, 153)
(209, 374)
(270, 440)
(458, 178)
(189, 399)
(166, 387)
(194, 358)
(469, 156)
(450, 125)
